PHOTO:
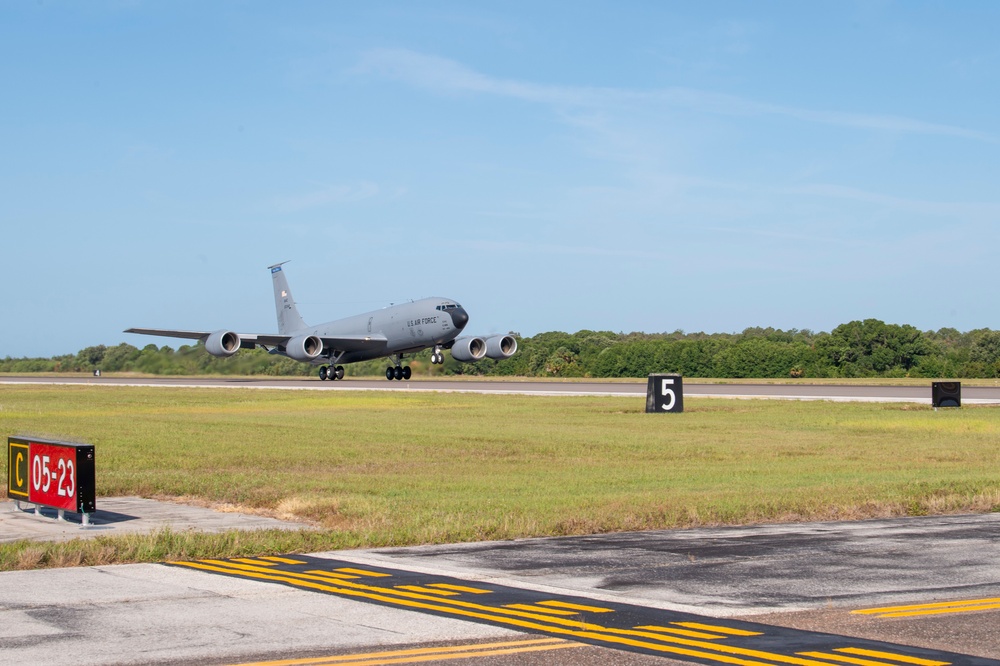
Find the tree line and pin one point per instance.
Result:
(869, 348)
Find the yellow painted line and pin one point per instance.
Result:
(895, 657)
(722, 630)
(527, 620)
(460, 588)
(332, 574)
(480, 649)
(428, 590)
(578, 607)
(282, 560)
(248, 560)
(682, 632)
(939, 604)
(857, 661)
(942, 611)
(940, 607)
(364, 572)
(537, 609)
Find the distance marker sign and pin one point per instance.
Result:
(665, 394)
(54, 474)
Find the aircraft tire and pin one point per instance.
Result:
(322, 372)
(407, 373)
(339, 372)
(398, 373)
(390, 374)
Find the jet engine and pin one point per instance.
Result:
(222, 343)
(469, 350)
(304, 347)
(500, 347)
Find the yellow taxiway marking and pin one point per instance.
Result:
(576, 607)
(937, 608)
(532, 620)
(428, 654)
(857, 661)
(682, 632)
(460, 588)
(364, 572)
(428, 590)
(333, 574)
(282, 560)
(895, 657)
(541, 609)
(249, 560)
(721, 630)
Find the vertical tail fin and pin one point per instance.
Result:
(289, 319)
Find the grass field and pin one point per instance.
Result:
(376, 469)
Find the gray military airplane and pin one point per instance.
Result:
(391, 333)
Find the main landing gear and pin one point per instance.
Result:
(397, 371)
(331, 373)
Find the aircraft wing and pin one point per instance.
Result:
(190, 335)
(341, 343)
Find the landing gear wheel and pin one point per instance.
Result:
(339, 372)
(390, 373)
(397, 372)
(407, 373)
(323, 373)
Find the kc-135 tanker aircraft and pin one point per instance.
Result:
(389, 333)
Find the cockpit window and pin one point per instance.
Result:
(444, 307)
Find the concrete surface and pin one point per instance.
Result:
(125, 515)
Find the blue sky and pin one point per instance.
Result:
(624, 166)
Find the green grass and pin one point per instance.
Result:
(377, 469)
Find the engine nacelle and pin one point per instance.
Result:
(469, 350)
(500, 347)
(222, 343)
(304, 347)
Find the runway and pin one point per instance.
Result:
(971, 395)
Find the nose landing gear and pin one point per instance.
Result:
(437, 356)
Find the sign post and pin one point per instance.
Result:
(57, 475)
(665, 393)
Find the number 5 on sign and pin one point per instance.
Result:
(665, 393)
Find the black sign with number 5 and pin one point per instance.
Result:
(665, 393)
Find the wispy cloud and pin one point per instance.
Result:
(943, 208)
(448, 76)
(550, 249)
(325, 195)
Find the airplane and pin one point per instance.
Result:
(392, 332)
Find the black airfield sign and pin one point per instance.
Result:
(665, 393)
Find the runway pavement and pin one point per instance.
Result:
(737, 592)
(920, 394)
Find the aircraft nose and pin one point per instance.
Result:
(459, 317)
